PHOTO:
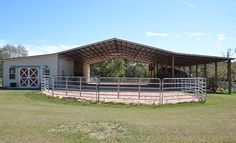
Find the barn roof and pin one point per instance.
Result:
(118, 48)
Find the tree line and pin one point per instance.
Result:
(126, 68)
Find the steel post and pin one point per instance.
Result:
(118, 90)
(66, 85)
(53, 86)
(48, 83)
(139, 88)
(97, 89)
(80, 86)
(162, 89)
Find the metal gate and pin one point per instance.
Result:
(174, 89)
(29, 77)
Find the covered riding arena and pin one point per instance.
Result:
(170, 78)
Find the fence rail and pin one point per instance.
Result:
(1, 82)
(123, 89)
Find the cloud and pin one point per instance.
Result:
(178, 36)
(221, 38)
(157, 34)
(194, 35)
(47, 49)
(189, 4)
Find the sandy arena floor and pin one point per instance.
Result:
(127, 97)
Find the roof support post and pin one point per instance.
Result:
(157, 69)
(190, 70)
(196, 70)
(151, 70)
(216, 78)
(205, 70)
(86, 71)
(173, 66)
(229, 75)
(184, 70)
(154, 70)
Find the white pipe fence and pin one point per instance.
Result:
(125, 88)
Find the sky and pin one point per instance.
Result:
(206, 27)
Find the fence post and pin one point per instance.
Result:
(41, 79)
(161, 97)
(80, 86)
(198, 85)
(97, 89)
(53, 86)
(48, 83)
(205, 88)
(139, 88)
(195, 82)
(43, 83)
(118, 88)
(202, 85)
(190, 84)
(185, 84)
(66, 84)
(205, 85)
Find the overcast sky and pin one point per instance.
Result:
(191, 26)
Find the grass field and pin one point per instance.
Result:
(26, 116)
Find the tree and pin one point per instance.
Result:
(109, 68)
(11, 51)
(135, 69)
(119, 68)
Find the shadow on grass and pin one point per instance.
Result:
(3, 88)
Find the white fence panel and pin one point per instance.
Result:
(126, 89)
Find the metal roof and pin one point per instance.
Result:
(118, 48)
(28, 57)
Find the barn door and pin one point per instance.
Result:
(29, 77)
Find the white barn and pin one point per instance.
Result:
(26, 72)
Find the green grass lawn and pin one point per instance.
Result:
(26, 116)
